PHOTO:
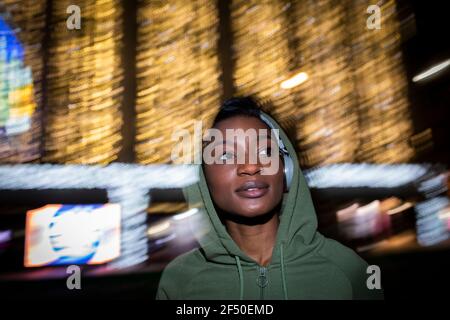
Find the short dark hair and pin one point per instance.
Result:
(247, 106)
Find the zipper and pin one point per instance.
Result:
(262, 280)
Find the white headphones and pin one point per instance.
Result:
(287, 160)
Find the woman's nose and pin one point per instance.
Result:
(249, 169)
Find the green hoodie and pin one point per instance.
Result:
(304, 264)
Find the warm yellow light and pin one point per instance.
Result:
(158, 228)
(187, 214)
(178, 74)
(84, 86)
(296, 80)
(399, 209)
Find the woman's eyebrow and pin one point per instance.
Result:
(217, 142)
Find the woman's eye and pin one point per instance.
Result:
(266, 152)
(226, 156)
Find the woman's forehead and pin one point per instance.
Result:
(238, 130)
(241, 122)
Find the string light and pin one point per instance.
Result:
(177, 73)
(276, 39)
(353, 106)
(327, 131)
(381, 86)
(85, 76)
(262, 53)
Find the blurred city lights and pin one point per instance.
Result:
(84, 120)
(187, 214)
(296, 80)
(22, 30)
(158, 228)
(431, 71)
(177, 72)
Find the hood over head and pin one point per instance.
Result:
(298, 223)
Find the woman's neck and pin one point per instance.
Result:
(256, 241)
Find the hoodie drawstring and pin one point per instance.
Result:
(283, 274)
(241, 278)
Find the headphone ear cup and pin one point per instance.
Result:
(288, 170)
(288, 163)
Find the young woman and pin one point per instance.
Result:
(262, 241)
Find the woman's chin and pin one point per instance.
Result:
(254, 213)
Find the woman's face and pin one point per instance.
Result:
(241, 188)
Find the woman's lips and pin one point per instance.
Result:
(253, 189)
(253, 193)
